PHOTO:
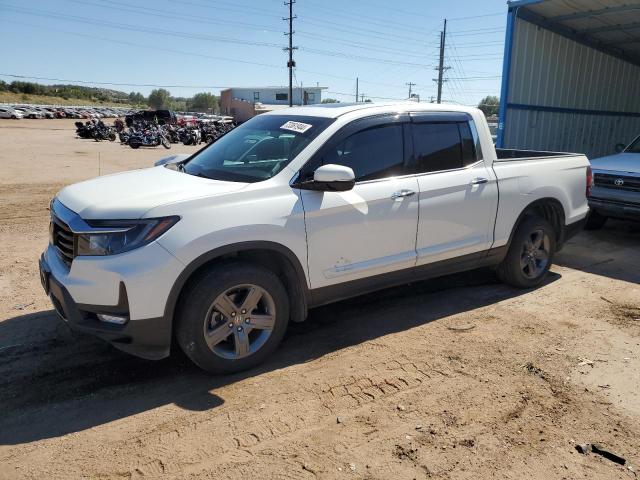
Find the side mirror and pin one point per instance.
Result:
(330, 178)
(171, 160)
(620, 147)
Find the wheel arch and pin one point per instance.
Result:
(550, 209)
(274, 256)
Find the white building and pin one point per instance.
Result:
(246, 102)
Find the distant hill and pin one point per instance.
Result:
(30, 92)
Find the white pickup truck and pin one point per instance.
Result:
(296, 209)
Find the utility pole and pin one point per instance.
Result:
(290, 64)
(357, 81)
(410, 84)
(441, 68)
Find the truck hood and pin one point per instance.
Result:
(622, 162)
(130, 195)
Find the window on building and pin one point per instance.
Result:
(373, 153)
(256, 96)
(282, 96)
(311, 97)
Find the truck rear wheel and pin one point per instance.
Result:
(232, 317)
(595, 221)
(530, 254)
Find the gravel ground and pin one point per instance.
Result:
(455, 378)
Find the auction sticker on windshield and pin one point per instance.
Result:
(296, 126)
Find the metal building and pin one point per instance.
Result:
(571, 76)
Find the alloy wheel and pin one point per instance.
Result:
(535, 254)
(239, 321)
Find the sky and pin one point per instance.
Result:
(189, 46)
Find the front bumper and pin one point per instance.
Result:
(148, 338)
(615, 208)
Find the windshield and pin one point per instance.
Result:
(258, 149)
(634, 147)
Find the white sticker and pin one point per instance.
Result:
(296, 126)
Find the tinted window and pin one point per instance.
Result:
(437, 146)
(373, 153)
(468, 147)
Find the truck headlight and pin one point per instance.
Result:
(118, 236)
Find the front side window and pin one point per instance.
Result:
(258, 149)
(442, 146)
(373, 153)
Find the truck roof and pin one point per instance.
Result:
(334, 110)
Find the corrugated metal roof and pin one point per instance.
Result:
(613, 25)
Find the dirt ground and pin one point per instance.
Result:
(455, 378)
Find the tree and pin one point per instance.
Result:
(330, 100)
(203, 101)
(136, 98)
(159, 98)
(489, 105)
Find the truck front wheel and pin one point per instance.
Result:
(232, 317)
(530, 254)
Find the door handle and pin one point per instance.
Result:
(479, 181)
(402, 193)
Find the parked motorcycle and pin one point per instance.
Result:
(103, 132)
(150, 137)
(190, 136)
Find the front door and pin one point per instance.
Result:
(371, 229)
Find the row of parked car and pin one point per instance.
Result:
(16, 111)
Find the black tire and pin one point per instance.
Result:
(112, 137)
(512, 271)
(595, 221)
(193, 316)
(14, 117)
(134, 144)
(165, 142)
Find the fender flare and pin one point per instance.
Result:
(527, 210)
(298, 311)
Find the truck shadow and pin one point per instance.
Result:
(611, 252)
(54, 382)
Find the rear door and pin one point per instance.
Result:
(458, 192)
(371, 229)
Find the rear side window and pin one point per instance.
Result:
(373, 153)
(442, 146)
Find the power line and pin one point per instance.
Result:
(213, 38)
(117, 84)
(364, 46)
(138, 28)
(172, 15)
(378, 22)
(150, 47)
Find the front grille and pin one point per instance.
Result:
(617, 182)
(62, 239)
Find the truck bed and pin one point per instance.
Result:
(508, 154)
